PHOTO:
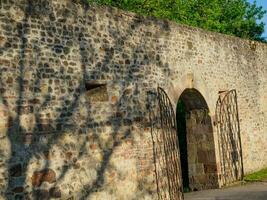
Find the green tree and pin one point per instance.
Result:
(233, 17)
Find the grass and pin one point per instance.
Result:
(257, 176)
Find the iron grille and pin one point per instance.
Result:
(166, 148)
(229, 139)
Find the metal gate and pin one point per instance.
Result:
(230, 150)
(165, 148)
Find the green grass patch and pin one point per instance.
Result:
(257, 176)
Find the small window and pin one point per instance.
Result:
(96, 92)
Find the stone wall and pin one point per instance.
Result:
(73, 94)
(201, 151)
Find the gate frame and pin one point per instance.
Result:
(223, 95)
(166, 151)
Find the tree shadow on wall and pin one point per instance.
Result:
(40, 123)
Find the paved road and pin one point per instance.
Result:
(253, 191)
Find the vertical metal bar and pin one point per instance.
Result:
(165, 148)
(169, 150)
(229, 130)
(239, 137)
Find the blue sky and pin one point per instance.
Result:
(262, 3)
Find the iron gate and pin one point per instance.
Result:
(230, 150)
(165, 148)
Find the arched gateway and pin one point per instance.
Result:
(197, 149)
(184, 143)
(184, 160)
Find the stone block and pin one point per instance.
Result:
(46, 175)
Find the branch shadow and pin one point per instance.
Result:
(37, 141)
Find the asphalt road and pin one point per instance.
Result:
(252, 191)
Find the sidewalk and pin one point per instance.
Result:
(251, 191)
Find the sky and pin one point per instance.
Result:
(262, 3)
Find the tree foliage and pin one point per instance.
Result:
(233, 17)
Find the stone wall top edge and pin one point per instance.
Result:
(174, 25)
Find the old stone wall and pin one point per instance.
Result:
(201, 152)
(74, 81)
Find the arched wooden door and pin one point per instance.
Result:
(166, 148)
(229, 139)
